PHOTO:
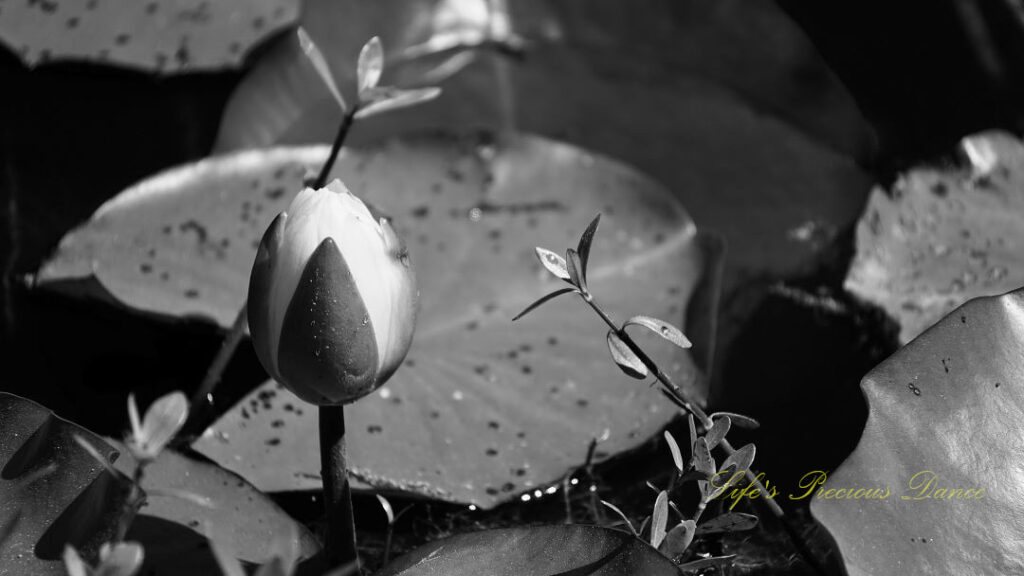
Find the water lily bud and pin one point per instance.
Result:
(332, 298)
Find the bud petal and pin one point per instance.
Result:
(259, 307)
(328, 352)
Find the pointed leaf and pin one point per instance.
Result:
(678, 539)
(573, 266)
(471, 209)
(622, 515)
(626, 359)
(542, 300)
(385, 99)
(719, 429)
(662, 328)
(738, 420)
(388, 510)
(728, 522)
(692, 427)
(954, 396)
(659, 519)
(553, 262)
(586, 240)
(319, 63)
(677, 456)
(370, 65)
(548, 550)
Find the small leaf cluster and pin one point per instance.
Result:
(670, 530)
(373, 99)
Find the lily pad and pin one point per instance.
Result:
(940, 453)
(727, 103)
(483, 409)
(52, 492)
(569, 549)
(943, 235)
(165, 36)
(233, 511)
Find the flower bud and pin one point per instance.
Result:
(332, 298)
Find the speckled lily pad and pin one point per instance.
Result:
(943, 235)
(165, 36)
(483, 409)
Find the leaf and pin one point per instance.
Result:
(54, 491)
(623, 516)
(385, 99)
(938, 238)
(728, 522)
(319, 63)
(739, 420)
(388, 510)
(704, 463)
(719, 428)
(161, 36)
(703, 563)
(586, 240)
(678, 539)
(163, 420)
(244, 520)
(573, 265)
(659, 519)
(732, 469)
(542, 300)
(370, 65)
(626, 359)
(562, 549)
(677, 456)
(953, 394)
(553, 262)
(472, 209)
(662, 328)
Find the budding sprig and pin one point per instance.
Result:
(145, 441)
(372, 98)
(633, 361)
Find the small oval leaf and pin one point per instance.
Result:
(662, 328)
(678, 539)
(370, 65)
(677, 456)
(163, 420)
(718, 431)
(627, 360)
(659, 519)
(553, 262)
(729, 522)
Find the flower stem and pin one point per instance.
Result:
(220, 361)
(339, 140)
(340, 540)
